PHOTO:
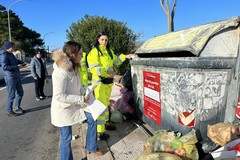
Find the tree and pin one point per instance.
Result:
(30, 40)
(3, 25)
(25, 38)
(121, 38)
(169, 12)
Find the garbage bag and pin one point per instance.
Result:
(164, 141)
(116, 117)
(116, 92)
(158, 156)
(229, 151)
(188, 141)
(126, 80)
(222, 133)
(124, 106)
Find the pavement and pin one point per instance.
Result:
(125, 143)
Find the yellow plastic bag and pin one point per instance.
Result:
(158, 156)
(164, 141)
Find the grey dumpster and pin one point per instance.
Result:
(189, 78)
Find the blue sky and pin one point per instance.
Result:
(142, 16)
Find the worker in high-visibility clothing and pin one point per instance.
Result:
(83, 70)
(101, 60)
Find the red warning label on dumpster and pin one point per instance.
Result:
(151, 91)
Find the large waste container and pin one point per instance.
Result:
(189, 78)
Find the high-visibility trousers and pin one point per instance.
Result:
(102, 93)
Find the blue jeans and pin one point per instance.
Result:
(91, 138)
(14, 86)
(65, 146)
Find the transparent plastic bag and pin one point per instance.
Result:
(158, 156)
(164, 141)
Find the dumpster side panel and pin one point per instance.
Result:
(201, 93)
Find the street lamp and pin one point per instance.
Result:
(9, 27)
(44, 41)
(45, 36)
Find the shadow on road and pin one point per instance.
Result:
(37, 109)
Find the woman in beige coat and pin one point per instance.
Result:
(68, 101)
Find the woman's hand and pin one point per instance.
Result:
(86, 99)
(130, 56)
(111, 72)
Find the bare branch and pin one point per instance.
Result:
(170, 13)
(167, 7)
(174, 8)
(163, 7)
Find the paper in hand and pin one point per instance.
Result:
(95, 106)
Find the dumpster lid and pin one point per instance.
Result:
(191, 39)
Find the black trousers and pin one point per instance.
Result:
(39, 85)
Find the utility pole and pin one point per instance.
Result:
(9, 26)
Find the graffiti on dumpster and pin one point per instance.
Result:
(151, 90)
(186, 91)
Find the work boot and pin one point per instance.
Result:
(103, 136)
(109, 126)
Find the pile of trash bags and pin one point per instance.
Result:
(227, 137)
(123, 108)
(173, 143)
(159, 156)
(223, 144)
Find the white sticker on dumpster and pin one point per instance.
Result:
(152, 94)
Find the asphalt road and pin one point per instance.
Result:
(31, 135)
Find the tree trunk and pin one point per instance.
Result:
(170, 13)
(170, 24)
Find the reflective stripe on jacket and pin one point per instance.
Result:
(84, 70)
(99, 64)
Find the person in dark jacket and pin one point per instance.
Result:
(11, 66)
(39, 74)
